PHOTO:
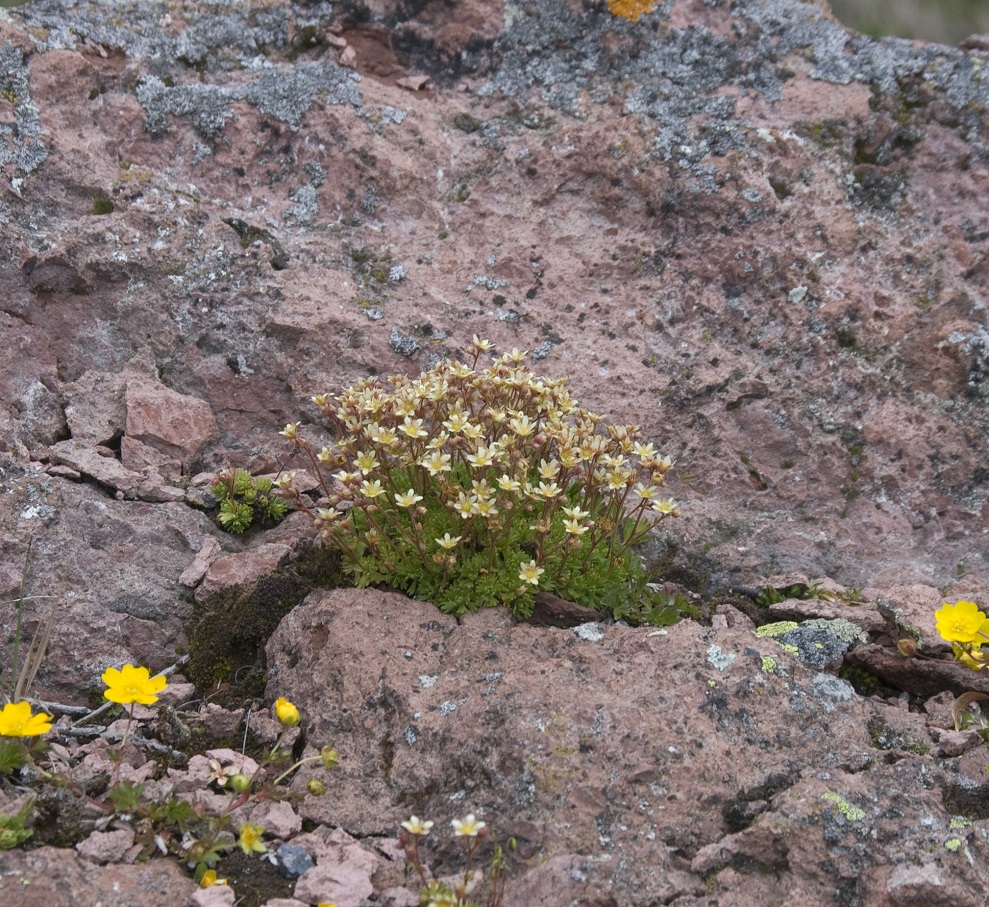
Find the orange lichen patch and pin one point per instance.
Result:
(633, 10)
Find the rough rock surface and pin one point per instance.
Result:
(644, 764)
(739, 224)
(742, 226)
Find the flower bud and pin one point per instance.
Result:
(316, 787)
(239, 783)
(286, 712)
(329, 756)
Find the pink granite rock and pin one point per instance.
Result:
(715, 744)
(170, 423)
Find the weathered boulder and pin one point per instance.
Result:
(644, 765)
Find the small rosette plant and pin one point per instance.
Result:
(244, 498)
(472, 487)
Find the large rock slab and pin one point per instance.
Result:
(638, 766)
(739, 224)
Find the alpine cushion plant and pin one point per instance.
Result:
(472, 487)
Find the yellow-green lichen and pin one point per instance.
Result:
(768, 664)
(953, 844)
(852, 813)
(776, 629)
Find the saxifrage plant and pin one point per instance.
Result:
(472, 487)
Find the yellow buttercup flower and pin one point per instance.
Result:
(960, 622)
(250, 839)
(209, 879)
(130, 684)
(286, 712)
(16, 720)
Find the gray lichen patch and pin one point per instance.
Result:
(20, 144)
(282, 95)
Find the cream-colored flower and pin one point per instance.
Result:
(667, 508)
(290, 431)
(438, 442)
(447, 542)
(575, 513)
(416, 826)
(372, 489)
(522, 425)
(483, 457)
(436, 462)
(412, 427)
(366, 462)
(549, 470)
(547, 490)
(530, 573)
(464, 505)
(468, 827)
(457, 422)
(480, 344)
(574, 527)
(507, 483)
(409, 499)
(485, 508)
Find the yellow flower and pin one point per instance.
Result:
(286, 712)
(250, 839)
(130, 684)
(408, 499)
(968, 658)
(209, 879)
(960, 622)
(16, 720)
(468, 827)
(530, 573)
(417, 826)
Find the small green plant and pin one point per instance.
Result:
(471, 887)
(13, 829)
(475, 487)
(245, 498)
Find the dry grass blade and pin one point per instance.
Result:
(961, 706)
